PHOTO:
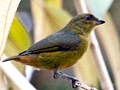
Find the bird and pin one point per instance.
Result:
(61, 49)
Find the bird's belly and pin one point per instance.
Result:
(60, 59)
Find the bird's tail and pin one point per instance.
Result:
(10, 58)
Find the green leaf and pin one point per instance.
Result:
(18, 38)
(99, 7)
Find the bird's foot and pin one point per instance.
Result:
(75, 82)
(55, 75)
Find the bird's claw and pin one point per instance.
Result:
(55, 75)
(75, 83)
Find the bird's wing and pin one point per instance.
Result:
(55, 42)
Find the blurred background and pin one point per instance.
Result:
(35, 19)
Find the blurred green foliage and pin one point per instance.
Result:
(18, 38)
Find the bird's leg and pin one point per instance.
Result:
(55, 74)
(75, 82)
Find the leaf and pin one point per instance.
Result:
(18, 38)
(7, 11)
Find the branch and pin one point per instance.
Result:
(76, 83)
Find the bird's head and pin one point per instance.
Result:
(84, 23)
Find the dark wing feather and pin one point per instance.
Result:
(55, 42)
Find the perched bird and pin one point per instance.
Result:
(61, 49)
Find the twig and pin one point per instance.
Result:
(76, 82)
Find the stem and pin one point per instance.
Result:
(102, 72)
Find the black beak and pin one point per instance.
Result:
(98, 22)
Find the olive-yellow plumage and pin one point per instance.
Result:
(61, 49)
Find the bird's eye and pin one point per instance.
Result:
(88, 17)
